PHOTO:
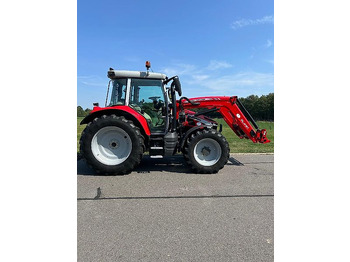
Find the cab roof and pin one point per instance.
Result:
(113, 74)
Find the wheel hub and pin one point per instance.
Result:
(111, 145)
(114, 144)
(206, 151)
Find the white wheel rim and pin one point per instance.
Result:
(111, 145)
(207, 152)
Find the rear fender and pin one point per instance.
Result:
(125, 111)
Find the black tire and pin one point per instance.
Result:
(209, 135)
(135, 139)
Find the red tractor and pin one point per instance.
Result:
(143, 114)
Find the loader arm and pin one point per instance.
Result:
(233, 112)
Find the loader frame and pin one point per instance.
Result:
(232, 111)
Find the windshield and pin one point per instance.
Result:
(146, 91)
(118, 92)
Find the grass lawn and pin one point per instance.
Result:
(237, 145)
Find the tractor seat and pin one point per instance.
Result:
(138, 109)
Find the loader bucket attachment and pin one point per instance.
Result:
(261, 136)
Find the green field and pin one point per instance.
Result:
(237, 145)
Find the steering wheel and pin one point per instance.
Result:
(154, 98)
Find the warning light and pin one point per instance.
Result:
(148, 64)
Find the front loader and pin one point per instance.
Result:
(143, 114)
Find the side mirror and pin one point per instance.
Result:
(177, 84)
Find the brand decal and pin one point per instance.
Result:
(245, 125)
(203, 99)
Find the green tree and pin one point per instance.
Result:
(260, 108)
(270, 109)
(80, 112)
(87, 111)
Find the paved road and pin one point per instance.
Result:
(163, 212)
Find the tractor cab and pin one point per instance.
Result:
(145, 92)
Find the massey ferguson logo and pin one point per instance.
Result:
(245, 125)
(203, 99)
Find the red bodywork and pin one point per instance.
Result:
(231, 113)
(226, 106)
(127, 109)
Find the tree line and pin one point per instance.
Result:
(260, 108)
(81, 112)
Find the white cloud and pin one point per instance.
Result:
(204, 81)
(179, 69)
(200, 77)
(241, 79)
(87, 77)
(214, 65)
(94, 84)
(268, 43)
(246, 22)
(192, 70)
(241, 84)
(92, 80)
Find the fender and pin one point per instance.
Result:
(125, 111)
(188, 133)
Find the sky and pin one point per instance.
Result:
(221, 48)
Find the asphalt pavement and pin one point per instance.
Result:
(164, 212)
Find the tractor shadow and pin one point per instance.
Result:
(234, 162)
(173, 164)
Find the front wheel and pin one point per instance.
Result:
(206, 151)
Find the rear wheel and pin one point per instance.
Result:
(112, 145)
(206, 151)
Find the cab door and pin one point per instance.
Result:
(147, 97)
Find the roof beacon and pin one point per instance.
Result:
(148, 65)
